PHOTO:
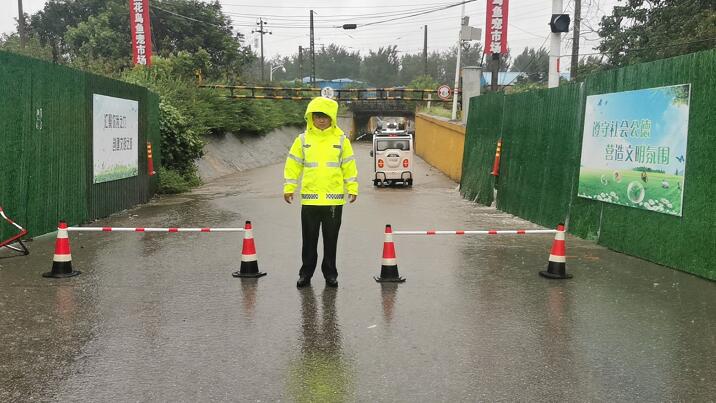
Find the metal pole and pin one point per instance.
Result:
(575, 39)
(21, 23)
(262, 48)
(495, 71)
(457, 67)
(300, 63)
(554, 48)
(313, 55)
(425, 49)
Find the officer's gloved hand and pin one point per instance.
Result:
(288, 197)
(352, 198)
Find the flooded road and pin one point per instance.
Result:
(158, 317)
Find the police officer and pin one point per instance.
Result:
(322, 157)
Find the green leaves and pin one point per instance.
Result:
(641, 31)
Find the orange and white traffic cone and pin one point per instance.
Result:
(389, 266)
(150, 160)
(496, 163)
(62, 261)
(249, 262)
(557, 266)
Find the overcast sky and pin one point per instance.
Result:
(288, 21)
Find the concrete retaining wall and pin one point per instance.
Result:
(440, 143)
(227, 154)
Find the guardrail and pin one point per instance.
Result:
(345, 94)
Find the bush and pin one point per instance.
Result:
(181, 145)
(188, 112)
(171, 182)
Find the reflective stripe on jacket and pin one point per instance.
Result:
(322, 159)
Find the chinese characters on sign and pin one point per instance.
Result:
(121, 143)
(614, 128)
(115, 132)
(112, 121)
(141, 34)
(638, 153)
(496, 26)
(634, 148)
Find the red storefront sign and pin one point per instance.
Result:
(496, 26)
(141, 34)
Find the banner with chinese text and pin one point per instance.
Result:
(141, 34)
(634, 148)
(115, 138)
(496, 26)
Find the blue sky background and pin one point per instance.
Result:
(669, 125)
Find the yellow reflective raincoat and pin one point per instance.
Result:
(322, 159)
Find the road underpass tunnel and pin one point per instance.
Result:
(367, 123)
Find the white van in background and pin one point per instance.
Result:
(392, 158)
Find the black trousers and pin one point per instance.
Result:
(312, 218)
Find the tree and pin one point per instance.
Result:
(335, 61)
(534, 63)
(411, 67)
(645, 30)
(95, 34)
(96, 44)
(209, 29)
(424, 83)
(32, 48)
(588, 65)
(381, 67)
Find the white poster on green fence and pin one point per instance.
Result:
(115, 146)
(634, 148)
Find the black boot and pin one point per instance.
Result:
(303, 282)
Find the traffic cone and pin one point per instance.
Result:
(389, 268)
(557, 266)
(150, 160)
(62, 261)
(496, 163)
(249, 263)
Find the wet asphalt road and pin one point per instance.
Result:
(158, 317)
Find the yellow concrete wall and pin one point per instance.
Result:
(440, 144)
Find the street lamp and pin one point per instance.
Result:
(274, 68)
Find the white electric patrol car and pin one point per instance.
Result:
(392, 158)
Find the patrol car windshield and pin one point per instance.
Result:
(393, 144)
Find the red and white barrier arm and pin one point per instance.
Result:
(2, 213)
(124, 229)
(486, 232)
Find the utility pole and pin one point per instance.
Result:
(21, 24)
(261, 31)
(495, 71)
(313, 55)
(554, 49)
(455, 91)
(575, 39)
(300, 63)
(425, 49)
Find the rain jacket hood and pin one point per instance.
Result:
(327, 106)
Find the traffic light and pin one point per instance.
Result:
(559, 23)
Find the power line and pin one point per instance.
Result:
(331, 7)
(671, 45)
(188, 18)
(416, 14)
(298, 17)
